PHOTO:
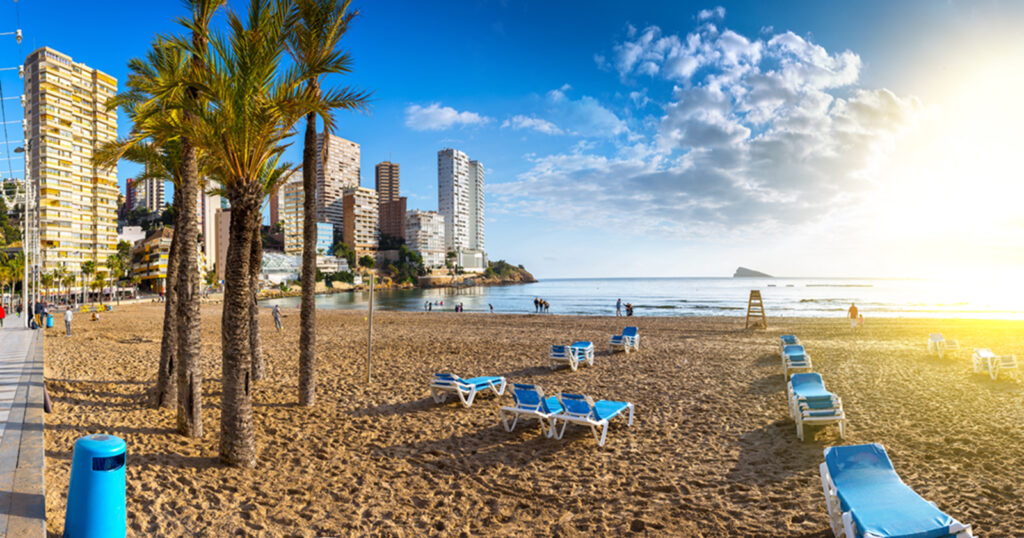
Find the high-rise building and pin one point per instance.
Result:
(337, 169)
(292, 215)
(149, 194)
(208, 206)
(392, 218)
(424, 234)
(460, 198)
(66, 120)
(129, 195)
(360, 231)
(386, 181)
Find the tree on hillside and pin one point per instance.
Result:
(314, 43)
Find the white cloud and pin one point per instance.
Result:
(435, 117)
(750, 124)
(716, 13)
(529, 122)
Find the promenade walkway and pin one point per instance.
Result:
(22, 501)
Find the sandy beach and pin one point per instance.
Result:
(712, 452)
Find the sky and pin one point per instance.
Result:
(669, 138)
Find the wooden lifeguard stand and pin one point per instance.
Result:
(755, 311)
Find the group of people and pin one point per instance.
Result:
(619, 305)
(540, 305)
(429, 306)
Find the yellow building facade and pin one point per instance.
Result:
(66, 121)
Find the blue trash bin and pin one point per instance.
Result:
(96, 499)
(49, 321)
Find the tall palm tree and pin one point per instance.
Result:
(252, 110)
(68, 280)
(314, 42)
(88, 268)
(272, 175)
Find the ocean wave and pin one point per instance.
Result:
(840, 285)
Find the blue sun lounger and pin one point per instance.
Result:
(583, 410)
(574, 355)
(810, 403)
(866, 498)
(787, 340)
(529, 401)
(794, 357)
(466, 389)
(628, 340)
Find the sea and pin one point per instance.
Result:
(785, 297)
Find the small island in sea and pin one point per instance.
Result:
(743, 272)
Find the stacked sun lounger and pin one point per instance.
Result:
(795, 357)
(986, 361)
(573, 356)
(941, 347)
(865, 497)
(466, 389)
(787, 340)
(811, 404)
(628, 341)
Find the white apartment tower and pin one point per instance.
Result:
(337, 169)
(424, 234)
(460, 199)
(149, 194)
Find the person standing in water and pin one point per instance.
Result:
(618, 308)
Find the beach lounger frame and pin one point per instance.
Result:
(789, 363)
(803, 414)
(543, 409)
(986, 361)
(628, 341)
(466, 389)
(938, 345)
(598, 425)
(842, 523)
(572, 357)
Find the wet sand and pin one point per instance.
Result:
(712, 451)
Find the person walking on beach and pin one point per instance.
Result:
(852, 312)
(277, 317)
(67, 321)
(618, 308)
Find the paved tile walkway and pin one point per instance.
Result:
(22, 499)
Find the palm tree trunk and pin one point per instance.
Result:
(190, 374)
(167, 378)
(307, 313)
(237, 437)
(255, 261)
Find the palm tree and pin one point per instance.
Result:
(59, 274)
(252, 112)
(314, 42)
(6, 276)
(88, 268)
(68, 280)
(115, 271)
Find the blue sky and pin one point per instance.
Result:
(654, 138)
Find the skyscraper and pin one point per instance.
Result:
(424, 234)
(129, 195)
(149, 194)
(460, 199)
(337, 169)
(66, 120)
(360, 231)
(386, 174)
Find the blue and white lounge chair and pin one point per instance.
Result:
(583, 410)
(810, 403)
(794, 357)
(938, 345)
(986, 361)
(866, 498)
(787, 340)
(573, 356)
(443, 384)
(529, 401)
(628, 340)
